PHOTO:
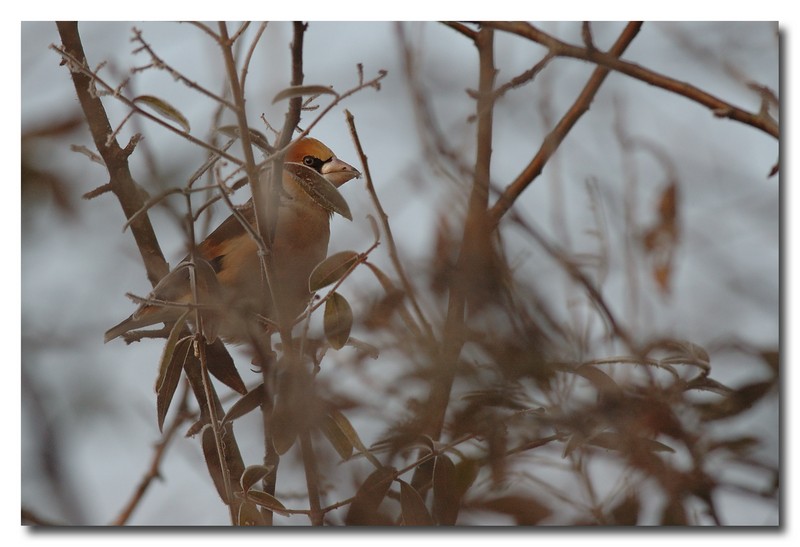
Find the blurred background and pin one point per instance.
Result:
(88, 410)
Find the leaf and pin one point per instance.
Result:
(382, 312)
(526, 511)
(212, 461)
(169, 349)
(349, 431)
(221, 366)
(414, 511)
(338, 439)
(257, 138)
(704, 383)
(170, 374)
(604, 384)
(738, 401)
(247, 403)
(209, 293)
(445, 494)
(466, 472)
(627, 512)
(390, 288)
(376, 232)
(318, 188)
(338, 320)
(285, 426)
(772, 358)
(422, 479)
(266, 500)
(293, 405)
(301, 90)
(738, 445)
(364, 509)
(249, 515)
(332, 269)
(616, 441)
(252, 474)
(165, 109)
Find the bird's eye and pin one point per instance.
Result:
(313, 162)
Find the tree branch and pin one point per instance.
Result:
(121, 181)
(560, 131)
(718, 107)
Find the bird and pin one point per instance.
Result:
(228, 271)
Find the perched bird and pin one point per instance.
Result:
(236, 294)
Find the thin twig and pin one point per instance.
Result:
(393, 253)
(718, 107)
(115, 158)
(561, 130)
(77, 66)
(250, 51)
(159, 452)
(159, 63)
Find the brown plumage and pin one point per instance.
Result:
(237, 293)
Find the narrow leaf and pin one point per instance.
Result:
(169, 349)
(349, 431)
(338, 439)
(301, 90)
(376, 232)
(526, 511)
(338, 320)
(364, 509)
(169, 383)
(249, 515)
(466, 471)
(332, 269)
(257, 138)
(165, 109)
(252, 474)
(616, 441)
(414, 511)
(445, 493)
(209, 293)
(422, 479)
(285, 426)
(249, 402)
(221, 366)
(325, 194)
(604, 384)
(212, 461)
(266, 500)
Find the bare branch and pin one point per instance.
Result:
(115, 158)
(611, 61)
(562, 129)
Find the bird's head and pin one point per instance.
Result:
(315, 155)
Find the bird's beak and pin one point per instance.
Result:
(338, 172)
